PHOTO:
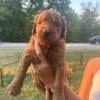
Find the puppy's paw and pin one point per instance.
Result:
(13, 90)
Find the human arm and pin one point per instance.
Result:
(69, 94)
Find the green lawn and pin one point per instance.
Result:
(75, 59)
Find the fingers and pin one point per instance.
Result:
(37, 47)
(39, 52)
(47, 94)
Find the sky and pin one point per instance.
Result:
(75, 4)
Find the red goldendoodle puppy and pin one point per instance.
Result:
(45, 52)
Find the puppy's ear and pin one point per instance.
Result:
(64, 30)
(34, 26)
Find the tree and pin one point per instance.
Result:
(16, 19)
(88, 21)
(74, 27)
(12, 21)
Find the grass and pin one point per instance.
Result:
(74, 59)
(29, 91)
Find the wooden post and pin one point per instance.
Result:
(1, 77)
(81, 58)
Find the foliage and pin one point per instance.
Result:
(74, 27)
(12, 21)
(16, 19)
(89, 21)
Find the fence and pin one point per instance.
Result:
(71, 57)
(80, 57)
(3, 65)
(1, 77)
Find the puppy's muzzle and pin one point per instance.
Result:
(47, 34)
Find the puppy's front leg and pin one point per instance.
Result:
(14, 88)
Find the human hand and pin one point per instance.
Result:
(44, 67)
(39, 52)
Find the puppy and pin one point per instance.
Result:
(49, 31)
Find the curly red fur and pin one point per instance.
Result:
(52, 46)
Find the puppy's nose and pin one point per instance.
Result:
(46, 34)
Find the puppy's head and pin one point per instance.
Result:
(48, 28)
